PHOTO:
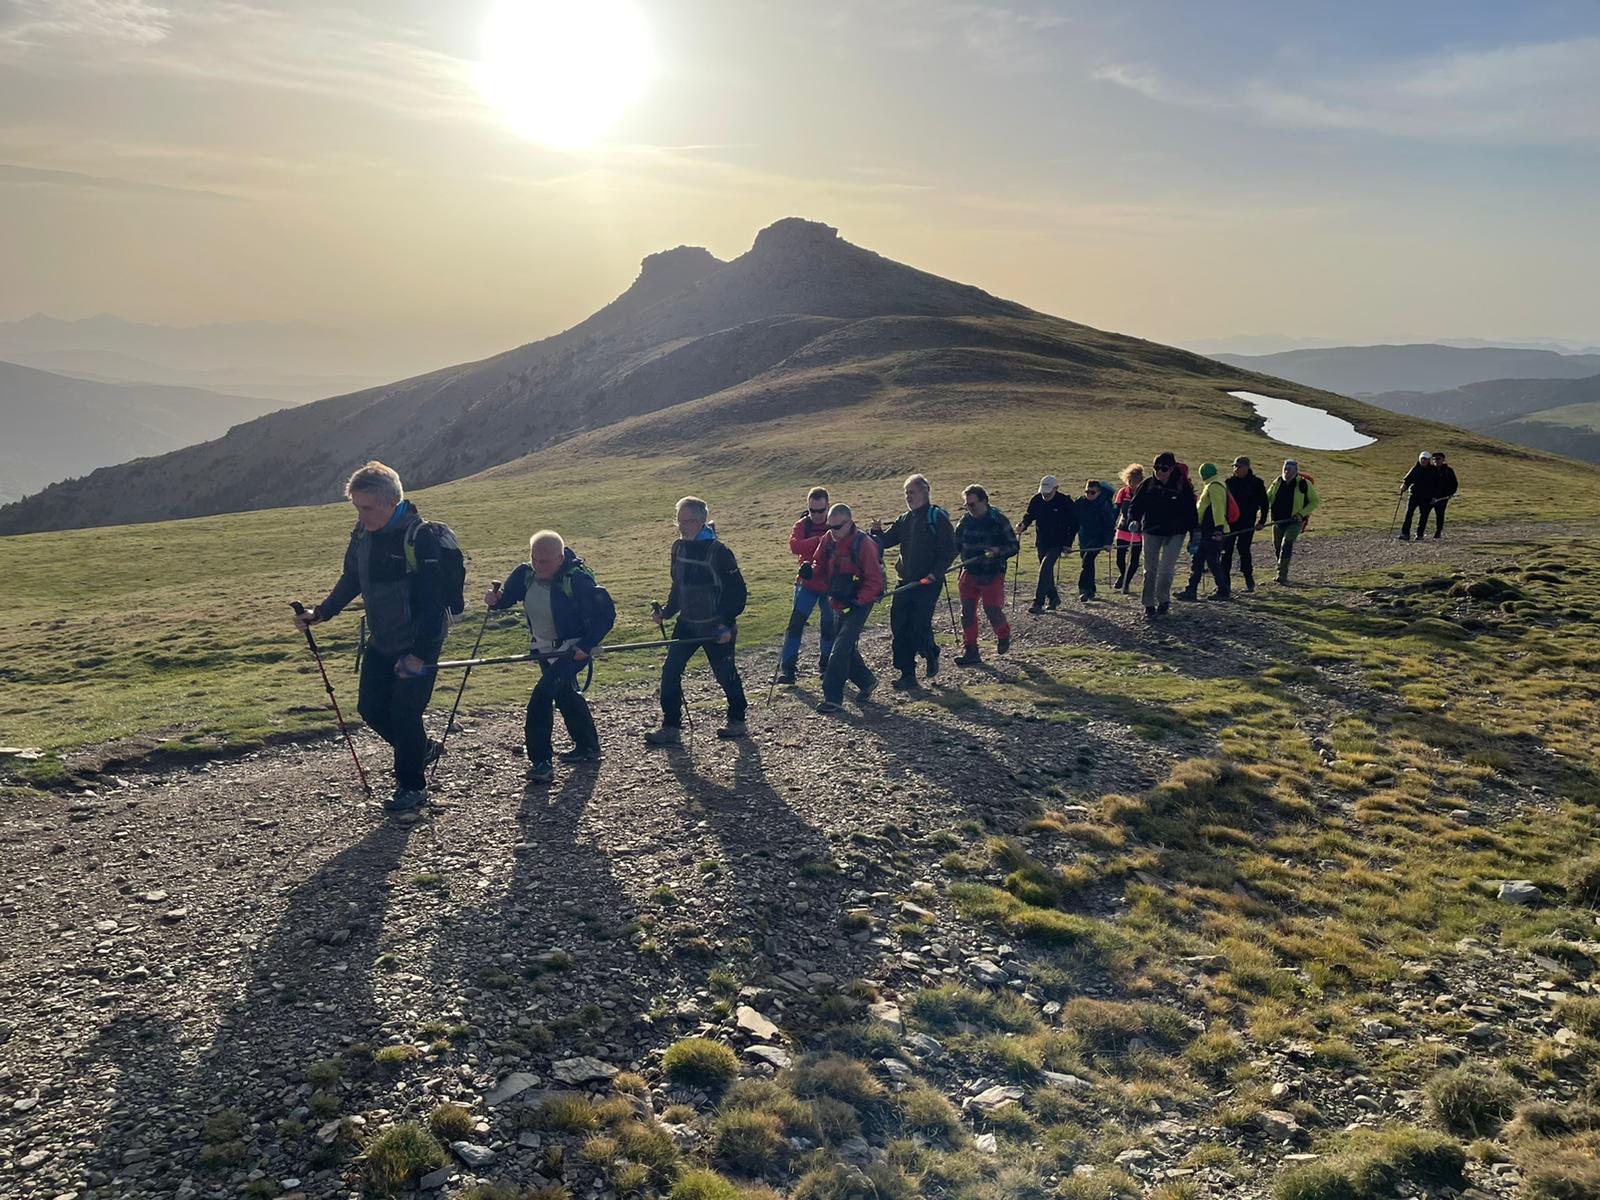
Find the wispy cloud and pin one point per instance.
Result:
(18, 175)
(1536, 94)
(36, 23)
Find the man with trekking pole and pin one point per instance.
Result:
(1422, 481)
(708, 594)
(849, 565)
(1290, 502)
(804, 538)
(395, 563)
(927, 542)
(568, 615)
(1164, 507)
(1053, 516)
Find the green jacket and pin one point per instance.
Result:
(1302, 501)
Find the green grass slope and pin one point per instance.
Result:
(174, 637)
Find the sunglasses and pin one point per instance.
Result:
(841, 525)
(819, 512)
(1162, 470)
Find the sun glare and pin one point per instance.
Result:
(564, 72)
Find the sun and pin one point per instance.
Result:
(564, 72)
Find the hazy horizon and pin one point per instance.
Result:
(1181, 175)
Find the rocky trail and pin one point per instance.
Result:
(183, 948)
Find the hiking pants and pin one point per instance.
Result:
(992, 595)
(1128, 561)
(558, 688)
(804, 601)
(392, 707)
(1045, 591)
(1438, 518)
(1086, 572)
(1240, 542)
(911, 625)
(723, 667)
(1161, 552)
(1283, 540)
(1417, 506)
(846, 661)
(1208, 557)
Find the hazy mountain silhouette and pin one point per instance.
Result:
(56, 427)
(1558, 415)
(1368, 370)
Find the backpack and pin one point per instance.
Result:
(452, 564)
(1234, 512)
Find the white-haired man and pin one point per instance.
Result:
(393, 563)
(927, 542)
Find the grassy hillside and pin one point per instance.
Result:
(175, 636)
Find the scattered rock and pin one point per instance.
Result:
(1519, 891)
(583, 1069)
(472, 1154)
(511, 1086)
(756, 1025)
(993, 1099)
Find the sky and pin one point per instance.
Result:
(1360, 171)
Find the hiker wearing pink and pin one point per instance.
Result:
(1130, 541)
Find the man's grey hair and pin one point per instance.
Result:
(695, 504)
(920, 481)
(545, 537)
(376, 479)
(840, 510)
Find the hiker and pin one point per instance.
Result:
(1422, 481)
(1163, 508)
(1215, 511)
(393, 562)
(985, 540)
(1446, 487)
(568, 615)
(1055, 521)
(1097, 520)
(804, 538)
(1129, 539)
(707, 596)
(1250, 494)
(850, 566)
(927, 544)
(1290, 502)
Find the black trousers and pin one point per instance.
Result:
(1417, 506)
(1208, 558)
(845, 662)
(1044, 591)
(911, 625)
(392, 707)
(1438, 518)
(1240, 542)
(723, 667)
(1128, 561)
(558, 688)
(1086, 572)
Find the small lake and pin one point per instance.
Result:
(1301, 425)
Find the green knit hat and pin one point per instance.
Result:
(1207, 470)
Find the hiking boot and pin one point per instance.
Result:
(1053, 604)
(969, 657)
(829, 706)
(786, 673)
(1085, 597)
(1149, 612)
(580, 754)
(667, 735)
(1404, 537)
(1222, 595)
(1249, 585)
(1164, 609)
(435, 749)
(1002, 645)
(906, 681)
(1436, 537)
(406, 800)
(732, 730)
(1187, 595)
(933, 663)
(866, 692)
(1035, 609)
(541, 772)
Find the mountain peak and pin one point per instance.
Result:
(795, 233)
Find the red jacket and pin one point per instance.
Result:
(856, 557)
(803, 541)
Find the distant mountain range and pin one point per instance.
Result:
(1277, 343)
(1369, 370)
(1558, 415)
(57, 427)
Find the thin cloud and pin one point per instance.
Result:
(37, 23)
(18, 175)
(1537, 94)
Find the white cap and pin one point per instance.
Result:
(1048, 484)
(1424, 456)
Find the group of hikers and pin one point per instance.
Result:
(409, 574)
(1430, 485)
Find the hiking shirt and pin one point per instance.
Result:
(1298, 500)
(976, 535)
(803, 541)
(405, 609)
(708, 592)
(927, 543)
(857, 557)
(1446, 483)
(1097, 519)
(1211, 509)
(1423, 480)
(1250, 494)
(1055, 521)
(581, 612)
(1165, 509)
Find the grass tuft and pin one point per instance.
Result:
(700, 1062)
(1470, 1102)
(398, 1156)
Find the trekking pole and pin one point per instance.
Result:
(494, 586)
(688, 712)
(451, 664)
(1398, 498)
(366, 787)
